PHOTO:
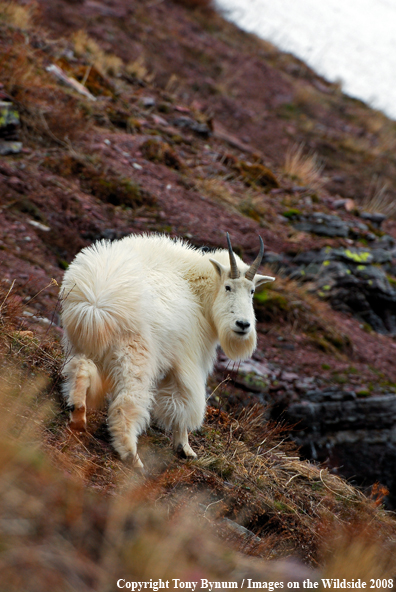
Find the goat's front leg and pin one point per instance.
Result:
(180, 443)
(180, 405)
(129, 412)
(190, 410)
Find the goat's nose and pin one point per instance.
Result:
(243, 325)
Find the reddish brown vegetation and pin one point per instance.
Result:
(127, 163)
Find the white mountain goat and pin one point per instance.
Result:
(142, 318)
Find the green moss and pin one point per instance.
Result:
(326, 367)
(248, 210)
(25, 205)
(270, 304)
(282, 507)
(164, 107)
(8, 115)
(117, 191)
(292, 213)
(363, 393)
(63, 264)
(221, 467)
(254, 381)
(289, 111)
(328, 341)
(339, 378)
(358, 257)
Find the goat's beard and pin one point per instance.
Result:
(237, 347)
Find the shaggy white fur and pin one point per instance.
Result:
(142, 318)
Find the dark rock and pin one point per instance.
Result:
(9, 121)
(240, 530)
(9, 127)
(187, 122)
(8, 147)
(148, 102)
(323, 225)
(386, 242)
(357, 435)
(353, 280)
(374, 217)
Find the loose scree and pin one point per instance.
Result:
(142, 318)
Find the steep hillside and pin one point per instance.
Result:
(121, 117)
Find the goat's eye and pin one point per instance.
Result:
(228, 288)
(252, 291)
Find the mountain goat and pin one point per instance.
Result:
(142, 318)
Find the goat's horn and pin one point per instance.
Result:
(251, 272)
(234, 273)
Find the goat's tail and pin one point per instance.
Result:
(89, 328)
(100, 298)
(92, 323)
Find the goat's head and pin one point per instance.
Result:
(233, 312)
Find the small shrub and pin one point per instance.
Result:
(161, 152)
(379, 199)
(17, 16)
(303, 168)
(257, 174)
(85, 46)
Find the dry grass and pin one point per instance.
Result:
(48, 112)
(251, 203)
(106, 64)
(379, 199)
(17, 16)
(73, 516)
(140, 69)
(304, 169)
(218, 191)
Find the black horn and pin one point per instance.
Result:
(251, 272)
(234, 273)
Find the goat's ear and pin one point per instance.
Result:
(259, 280)
(218, 267)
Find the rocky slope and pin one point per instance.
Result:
(120, 117)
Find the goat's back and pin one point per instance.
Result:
(133, 286)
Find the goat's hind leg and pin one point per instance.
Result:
(129, 412)
(82, 380)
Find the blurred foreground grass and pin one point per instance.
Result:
(73, 517)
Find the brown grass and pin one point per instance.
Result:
(17, 16)
(304, 169)
(378, 198)
(286, 303)
(105, 63)
(73, 516)
(48, 112)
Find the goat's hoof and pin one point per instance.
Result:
(78, 420)
(134, 461)
(185, 451)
